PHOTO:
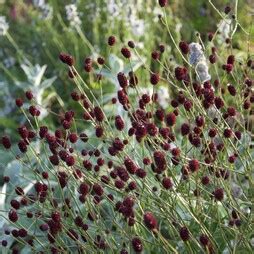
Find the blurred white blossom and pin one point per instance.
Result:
(163, 96)
(38, 3)
(129, 16)
(196, 53)
(137, 26)
(202, 71)
(224, 28)
(113, 8)
(4, 26)
(252, 242)
(46, 10)
(198, 59)
(73, 15)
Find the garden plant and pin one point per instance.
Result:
(111, 144)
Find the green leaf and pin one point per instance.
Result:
(115, 63)
(47, 82)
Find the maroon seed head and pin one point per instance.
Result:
(131, 44)
(13, 216)
(137, 244)
(6, 142)
(167, 183)
(227, 9)
(184, 233)
(19, 102)
(184, 47)
(119, 123)
(111, 40)
(29, 95)
(155, 78)
(218, 194)
(126, 52)
(98, 114)
(163, 3)
(204, 240)
(170, 119)
(155, 55)
(150, 221)
(194, 165)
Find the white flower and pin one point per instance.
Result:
(46, 12)
(202, 71)
(138, 27)
(73, 15)
(197, 58)
(4, 26)
(224, 29)
(130, 16)
(45, 9)
(38, 3)
(113, 8)
(163, 96)
(196, 53)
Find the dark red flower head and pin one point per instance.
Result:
(170, 119)
(98, 114)
(13, 216)
(119, 123)
(167, 183)
(204, 240)
(185, 129)
(184, 47)
(6, 142)
(19, 102)
(111, 40)
(131, 44)
(163, 3)
(218, 194)
(184, 233)
(67, 59)
(155, 78)
(180, 73)
(122, 79)
(29, 95)
(150, 221)
(231, 59)
(137, 244)
(126, 52)
(227, 67)
(193, 165)
(155, 55)
(227, 9)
